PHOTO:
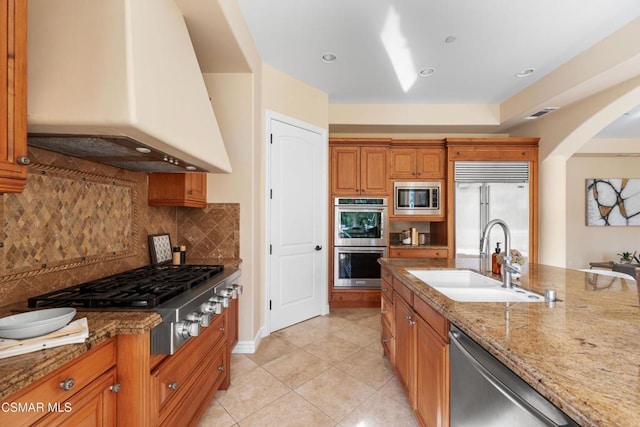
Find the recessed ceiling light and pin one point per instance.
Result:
(525, 73)
(143, 150)
(450, 39)
(426, 72)
(328, 58)
(190, 168)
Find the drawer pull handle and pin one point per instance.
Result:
(173, 386)
(384, 340)
(385, 289)
(407, 317)
(221, 368)
(115, 388)
(67, 384)
(411, 322)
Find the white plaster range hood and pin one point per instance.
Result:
(106, 77)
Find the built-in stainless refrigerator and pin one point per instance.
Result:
(485, 191)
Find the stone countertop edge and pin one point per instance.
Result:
(532, 347)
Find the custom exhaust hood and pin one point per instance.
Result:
(118, 82)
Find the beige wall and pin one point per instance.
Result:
(291, 97)
(585, 244)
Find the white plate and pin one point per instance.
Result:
(35, 323)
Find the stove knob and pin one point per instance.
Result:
(202, 318)
(217, 304)
(238, 288)
(209, 306)
(224, 294)
(233, 292)
(225, 302)
(188, 328)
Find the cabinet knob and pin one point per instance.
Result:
(23, 160)
(221, 368)
(383, 312)
(173, 386)
(115, 388)
(407, 317)
(385, 289)
(221, 328)
(190, 192)
(411, 322)
(384, 340)
(67, 384)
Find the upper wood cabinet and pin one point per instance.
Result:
(178, 189)
(13, 97)
(359, 170)
(419, 163)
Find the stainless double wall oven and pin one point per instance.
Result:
(360, 226)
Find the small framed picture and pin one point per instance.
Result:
(159, 248)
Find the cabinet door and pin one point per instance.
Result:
(345, 170)
(404, 340)
(431, 377)
(196, 187)
(373, 173)
(430, 163)
(13, 96)
(402, 163)
(95, 405)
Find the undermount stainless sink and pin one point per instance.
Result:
(469, 286)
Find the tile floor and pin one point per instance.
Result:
(326, 371)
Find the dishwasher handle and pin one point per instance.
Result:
(457, 339)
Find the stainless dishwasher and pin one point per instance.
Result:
(485, 393)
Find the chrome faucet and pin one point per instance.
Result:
(507, 267)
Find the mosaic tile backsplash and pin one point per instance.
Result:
(63, 230)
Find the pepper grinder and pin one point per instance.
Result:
(183, 254)
(175, 255)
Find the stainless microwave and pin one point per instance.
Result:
(417, 198)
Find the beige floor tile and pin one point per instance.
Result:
(358, 335)
(380, 411)
(251, 392)
(332, 349)
(301, 334)
(216, 416)
(376, 347)
(290, 410)
(271, 348)
(329, 323)
(372, 322)
(394, 390)
(367, 367)
(335, 393)
(296, 368)
(355, 314)
(240, 364)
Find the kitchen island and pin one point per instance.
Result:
(582, 352)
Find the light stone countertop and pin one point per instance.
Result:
(583, 353)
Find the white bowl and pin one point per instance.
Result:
(35, 323)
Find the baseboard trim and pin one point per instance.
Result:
(250, 346)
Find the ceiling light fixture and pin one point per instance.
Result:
(450, 39)
(190, 168)
(328, 58)
(525, 73)
(426, 72)
(143, 150)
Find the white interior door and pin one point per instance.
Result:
(298, 218)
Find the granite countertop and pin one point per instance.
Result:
(582, 353)
(19, 371)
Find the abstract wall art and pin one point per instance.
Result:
(613, 202)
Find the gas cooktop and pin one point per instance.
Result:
(140, 288)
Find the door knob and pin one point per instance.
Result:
(318, 248)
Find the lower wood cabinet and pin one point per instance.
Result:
(416, 344)
(81, 392)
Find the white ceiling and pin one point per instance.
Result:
(495, 39)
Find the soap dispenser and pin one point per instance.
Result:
(495, 267)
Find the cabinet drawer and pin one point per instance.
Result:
(439, 324)
(388, 344)
(207, 375)
(386, 289)
(386, 275)
(81, 371)
(418, 253)
(400, 289)
(386, 310)
(171, 377)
